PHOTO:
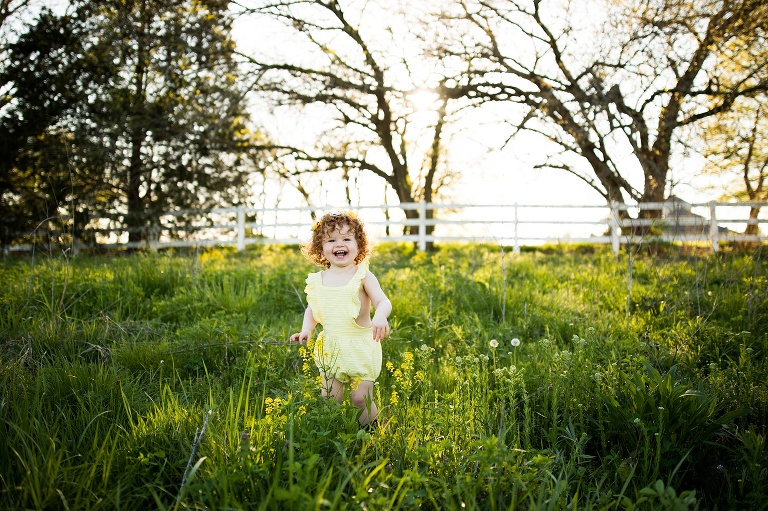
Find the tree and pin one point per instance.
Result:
(737, 151)
(33, 158)
(736, 142)
(146, 96)
(615, 104)
(356, 70)
(11, 8)
(10, 13)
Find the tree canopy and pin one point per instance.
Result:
(613, 93)
(357, 68)
(127, 108)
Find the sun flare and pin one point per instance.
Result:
(423, 100)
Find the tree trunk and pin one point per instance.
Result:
(753, 229)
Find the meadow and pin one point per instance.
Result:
(558, 378)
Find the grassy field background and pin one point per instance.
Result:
(559, 378)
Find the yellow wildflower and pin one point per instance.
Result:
(273, 406)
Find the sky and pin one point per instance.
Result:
(503, 176)
(500, 177)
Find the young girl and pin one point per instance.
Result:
(348, 350)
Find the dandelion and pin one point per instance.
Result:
(515, 342)
(494, 343)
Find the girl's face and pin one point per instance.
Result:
(340, 246)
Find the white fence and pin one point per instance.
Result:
(512, 225)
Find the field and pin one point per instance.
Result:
(560, 378)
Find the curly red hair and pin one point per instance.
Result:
(330, 222)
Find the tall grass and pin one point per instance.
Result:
(151, 381)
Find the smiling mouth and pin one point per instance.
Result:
(340, 253)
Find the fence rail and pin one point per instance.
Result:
(512, 225)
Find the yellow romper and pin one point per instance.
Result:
(344, 349)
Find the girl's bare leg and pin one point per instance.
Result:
(332, 388)
(362, 399)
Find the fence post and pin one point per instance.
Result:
(516, 211)
(714, 231)
(615, 228)
(240, 228)
(422, 226)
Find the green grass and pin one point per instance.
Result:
(638, 383)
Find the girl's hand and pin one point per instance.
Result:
(380, 328)
(302, 337)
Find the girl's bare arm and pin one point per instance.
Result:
(381, 303)
(307, 326)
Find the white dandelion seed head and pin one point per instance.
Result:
(515, 342)
(494, 343)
